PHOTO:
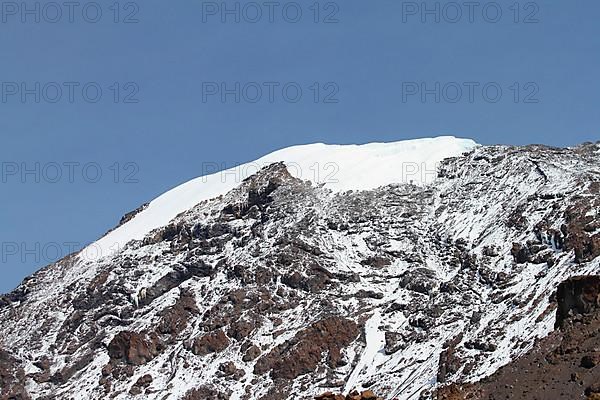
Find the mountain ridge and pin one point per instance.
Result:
(339, 167)
(285, 289)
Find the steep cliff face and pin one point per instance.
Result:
(282, 288)
(576, 296)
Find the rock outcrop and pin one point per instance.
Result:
(576, 296)
(305, 351)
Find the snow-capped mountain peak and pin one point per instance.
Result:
(278, 287)
(337, 167)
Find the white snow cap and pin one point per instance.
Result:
(337, 167)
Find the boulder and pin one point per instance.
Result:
(213, 342)
(134, 348)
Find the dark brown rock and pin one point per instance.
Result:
(377, 262)
(213, 342)
(12, 378)
(241, 329)
(520, 253)
(589, 361)
(302, 354)
(174, 319)
(449, 364)
(134, 348)
(580, 222)
(205, 392)
(354, 395)
(251, 354)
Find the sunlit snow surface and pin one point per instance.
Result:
(338, 167)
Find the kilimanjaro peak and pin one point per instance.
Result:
(420, 269)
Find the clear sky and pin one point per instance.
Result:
(147, 93)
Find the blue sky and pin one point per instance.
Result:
(169, 74)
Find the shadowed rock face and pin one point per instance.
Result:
(281, 289)
(578, 295)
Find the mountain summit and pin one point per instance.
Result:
(337, 167)
(401, 268)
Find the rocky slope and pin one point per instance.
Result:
(563, 365)
(281, 288)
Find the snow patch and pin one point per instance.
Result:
(375, 342)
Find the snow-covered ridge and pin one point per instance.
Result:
(338, 167)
